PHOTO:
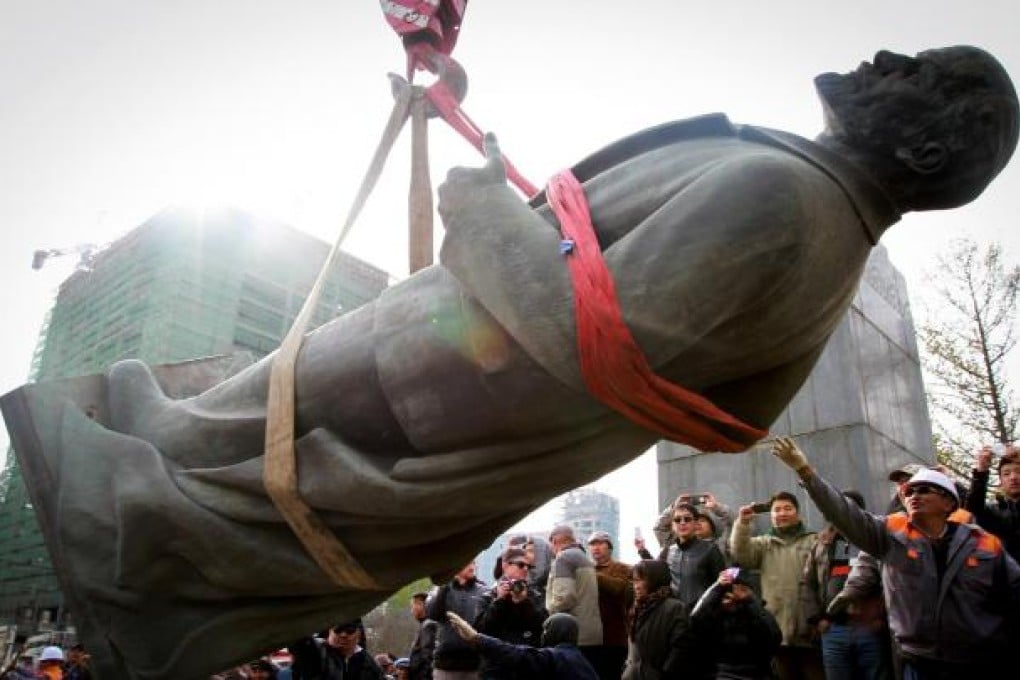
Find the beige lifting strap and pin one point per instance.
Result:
(280, 471)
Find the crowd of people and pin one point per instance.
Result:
(929, 590)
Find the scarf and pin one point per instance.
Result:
(645, 604)
(791, 531)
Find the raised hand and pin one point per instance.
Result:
(786, 450)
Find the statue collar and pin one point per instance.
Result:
(873, 206)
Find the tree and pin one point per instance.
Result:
(966, 340)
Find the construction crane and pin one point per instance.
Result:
(86, 250)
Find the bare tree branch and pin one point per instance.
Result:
(965, 343)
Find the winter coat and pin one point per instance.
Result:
(742, 641)
(562, 662)
(452, 653)
(422, 649)
(616, 596)
(859, 601)
(518, 623)
(959, 618)
(693, 567)
(780, 560)
(661, 643)
(1001, 518)
(573, 589)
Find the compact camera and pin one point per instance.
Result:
(516, 585)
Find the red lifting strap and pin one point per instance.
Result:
(435, 23)
(449, 108)
(614, 368)
(429, 30)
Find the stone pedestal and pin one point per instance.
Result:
(861, 413)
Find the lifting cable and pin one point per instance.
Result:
(429, 29)
(615, 370)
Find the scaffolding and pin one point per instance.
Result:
(181, 286)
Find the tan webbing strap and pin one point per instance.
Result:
(419, 209)
(280, 471)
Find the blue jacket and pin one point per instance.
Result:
(562, 662)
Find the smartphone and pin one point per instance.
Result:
(998, 448)
(637, 532)
(761, 508)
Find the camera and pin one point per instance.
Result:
(516, 585)
(761, 508)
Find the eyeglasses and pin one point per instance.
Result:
(520, 565)
(683, 519)
(923, 489)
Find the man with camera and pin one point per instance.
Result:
(511, 611)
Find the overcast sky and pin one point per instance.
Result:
(113, 109)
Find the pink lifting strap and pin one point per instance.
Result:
(614, 368)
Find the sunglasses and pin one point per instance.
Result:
(923, 489)
(683, 519)
(520, 565)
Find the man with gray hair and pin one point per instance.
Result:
(573, 589)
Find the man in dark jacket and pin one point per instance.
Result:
(694, 564)
(511, 611)
(1002, 517)
(339, 657)
(419, 660)
(454, 659)
(557, 659)
(745, 634)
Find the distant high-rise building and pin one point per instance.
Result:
(185, 284)
(587, 510)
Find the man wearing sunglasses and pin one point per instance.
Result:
(339, 657)
(511, 611)
(949, 586)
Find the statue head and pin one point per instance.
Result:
(934, 129)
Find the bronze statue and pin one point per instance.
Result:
(434, 418)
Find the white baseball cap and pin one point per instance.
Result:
(52, 653)
(935, 478)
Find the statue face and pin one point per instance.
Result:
(891, 98)
(936, 127)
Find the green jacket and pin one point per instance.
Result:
(781, 562)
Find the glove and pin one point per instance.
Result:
(785, 450)
(462, 627)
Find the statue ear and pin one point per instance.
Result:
(928, 158)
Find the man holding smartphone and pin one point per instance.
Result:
(779, 555)
(1002, 517)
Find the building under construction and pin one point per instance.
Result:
(185, 284)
